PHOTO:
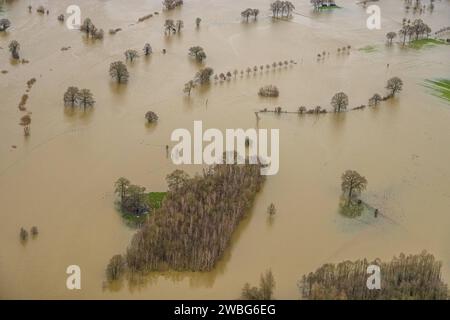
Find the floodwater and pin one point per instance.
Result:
(61, 177)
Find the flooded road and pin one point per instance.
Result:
(61, 178)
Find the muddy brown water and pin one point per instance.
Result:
(61, 178)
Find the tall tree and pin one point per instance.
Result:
(352, 182)
(118, 71)
(339, 102)
(395, 85)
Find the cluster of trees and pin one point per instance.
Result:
(263, 292)
(414, 30)
(172, 4)
(171, 26)
(417, 6)
(4, 24)
(412, 277)
(14, 48)
(198, 53)
(76, 97)
(247, 13)
(282, 8)
(91, 30)
(197, 218)
(322, 3)
(119, 72)
(269, 91)
(203, 76)
(132, 198)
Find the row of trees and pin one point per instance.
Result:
(76, 97)
(197, 218)
(282, 8)
(171, 26)
(415, 30)
(247, 13)
(412, 277)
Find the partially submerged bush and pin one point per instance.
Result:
(151, 117)
(115, 268)
(269, 91)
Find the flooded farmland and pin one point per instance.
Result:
(61, 177)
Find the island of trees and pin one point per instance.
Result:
(194, 225)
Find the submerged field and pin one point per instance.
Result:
(61, 178)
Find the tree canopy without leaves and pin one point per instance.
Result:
(352, 183)
(118, 71)
(70, 96)
(151, 117)
(14, 48)
(193, 227)
(198, 53)
(263, 292)
(394, 85)
(204, 75)
(412, 277)
(131, 54)
(339, 102)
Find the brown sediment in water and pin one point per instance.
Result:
(402, 148)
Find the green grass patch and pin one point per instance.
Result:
(156, 199)
(368, 49)
(439, 87)
(420, 43)
(329, 8)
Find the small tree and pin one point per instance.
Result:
(25, 121)
(197, 22)
(4, 24)
(271, 210)
(204, 75)
(188, 87)
(118, 71)
(395, 85)
(151, 117)
(14, 48)
(70, 96)
(198, 53)
(390, 36)
(131, 54)
(375, 100)
(269, 91)
(85, 98)
(34, 231)
(23, 234)
(147, 49)
(87, 26)
(352, 182)
(179, 25)
(121, 187)
(115, 268)
(339, 102)
(61, 18)
(169, 26)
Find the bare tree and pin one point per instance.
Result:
(118, 71)
(352, 183)
(395, 85)
(188, 87)
(198, 53)
(339, 102)
(85, 98)
(131, 54)
(147, 49)
(151, 117)
(70, 96)
(14, 48)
